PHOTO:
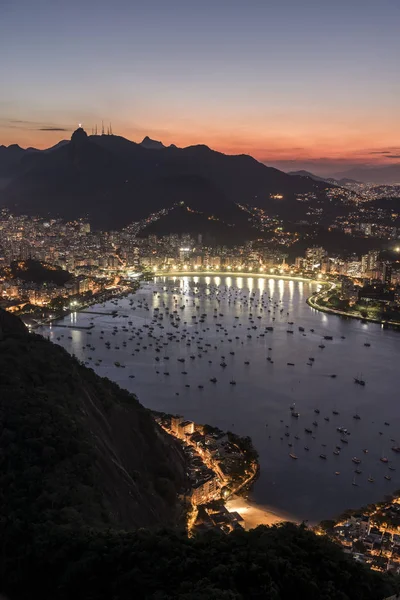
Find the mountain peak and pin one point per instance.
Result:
(151, 144)
(79, 135)
(303, 173)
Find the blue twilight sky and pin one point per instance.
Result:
(293, 82)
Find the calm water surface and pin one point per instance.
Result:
(259, 404)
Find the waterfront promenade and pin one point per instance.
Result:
(312, 301)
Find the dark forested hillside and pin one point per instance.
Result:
(284, 562)
(36, 272)
(89, 486)
(75, 448)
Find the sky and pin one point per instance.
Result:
(295, 83)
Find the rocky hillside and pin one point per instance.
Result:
(75, 448)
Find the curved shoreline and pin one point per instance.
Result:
(234, 274)
(341, 313)
(310, 300)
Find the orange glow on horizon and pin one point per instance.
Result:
(297, 141)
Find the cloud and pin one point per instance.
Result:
(53, 129)
(31, 125)
(391, 152)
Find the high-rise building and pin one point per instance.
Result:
(325, 265)
(387, 273)
(299, 262)
(204, 491)
(175, 422)
(315, 256)
(369, 262)
(186, 428)
(349, 291)
(353, 268)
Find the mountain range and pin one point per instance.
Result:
(339, 181)
(114, 181)
(389, 175)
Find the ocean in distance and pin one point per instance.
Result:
(238, 309)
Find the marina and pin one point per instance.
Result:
(216, 350)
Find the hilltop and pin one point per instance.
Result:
(36, 271)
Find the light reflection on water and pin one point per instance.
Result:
(259, 404)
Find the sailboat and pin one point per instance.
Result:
(359, 380)
(371, 479)
(384, 458)
(354, 482)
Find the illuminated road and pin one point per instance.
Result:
(313, 302)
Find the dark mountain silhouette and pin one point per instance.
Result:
(10, 157)
(52, 148)
(302, 173)
(234, 226)
(36, 271)
(331, 180)
(343, 181)
(115, 181)
(151, 144)
(380, 175)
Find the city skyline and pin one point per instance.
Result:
(294, 86)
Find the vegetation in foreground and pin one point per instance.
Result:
(278, 563)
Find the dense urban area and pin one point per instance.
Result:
(48, 267)
(219, 464)
(371, 534)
